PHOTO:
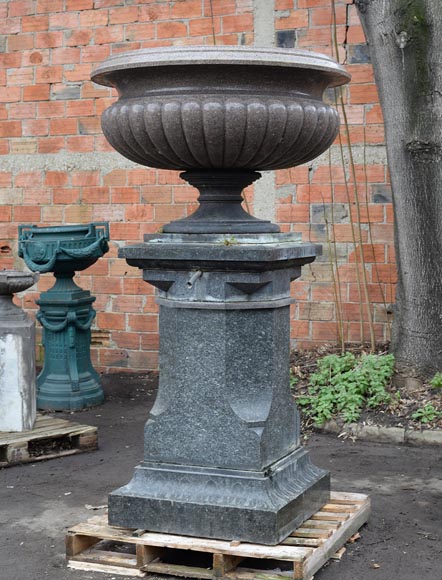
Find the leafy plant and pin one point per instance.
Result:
(426, 414)
(345, 384)
(436, 381)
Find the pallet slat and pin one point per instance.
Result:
(307, 549)
(50, 438)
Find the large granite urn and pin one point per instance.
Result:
(222, 453)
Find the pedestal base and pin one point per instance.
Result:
(256, 506)
(68, 380)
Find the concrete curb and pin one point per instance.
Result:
(395, 435)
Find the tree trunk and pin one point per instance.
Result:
(406, 51)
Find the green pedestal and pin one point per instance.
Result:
(68, 379)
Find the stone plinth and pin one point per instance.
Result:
(17, 356)
(222, 456)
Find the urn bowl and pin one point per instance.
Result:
(220, 107)
(62, 249)
(12, 281)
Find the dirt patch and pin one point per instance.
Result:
(397, 413)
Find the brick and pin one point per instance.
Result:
(371, 253)
(27, 214)
(52, 214)
(93, 18)
(63, 126)
(139, 213)
(65, 56)
(153, 12)
(35, 127)
(111, 320)
(149, 341)
(219, 7)
(20, 76)
(81, 4)
(48, 39)
(10, 25)
(5, 213)
(49, 74)
(163, 194)
(10, 128)
(10, 60)
(204, 26)
(143, 323)
(317, 311)
(129, 340)
(108, 34)
(188, 9)
(80, 108)
(94, 54)
(283, 4)
(56, 178)
(23, 147)
(171, 29)
(165, 214)
(77, 37)
(382, 233)
(238, 23)
(89, 125)
(123, 15)
(36, 93)
(364, 94)
(324, 331)
(124, 231)
(49, 5)
(51, 144)
(128, 304)
(20, 7)
(115, 177)
(130, 195)
(10, 94)
(66, 195)
(78, 72)
(34, 23)
(20, 42)
(384, 273)
(324, 16)
(87, 178)
(297, 19)
(5, 179)
(63, 20)
(80, 144)
(33, 57)
(78, 214)
(94, 195)
(50, 110)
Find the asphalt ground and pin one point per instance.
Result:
(40, 501)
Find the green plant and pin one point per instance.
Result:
(426, 414)
(345, 384)
(436, 381)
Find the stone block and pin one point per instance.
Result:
(17, 376)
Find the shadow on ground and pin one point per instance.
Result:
(38, 502)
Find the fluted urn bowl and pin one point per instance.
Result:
(213, 109)
(12, 281)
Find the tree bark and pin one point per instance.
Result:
(406, 51)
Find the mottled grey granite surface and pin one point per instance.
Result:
(222, 455)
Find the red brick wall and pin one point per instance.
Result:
(56, 167)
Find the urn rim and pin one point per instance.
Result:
(219, 55)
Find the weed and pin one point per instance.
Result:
(436, 381)
(426, 414)
(345, 384)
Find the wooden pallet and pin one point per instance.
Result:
(96, 546)
(49, 438)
